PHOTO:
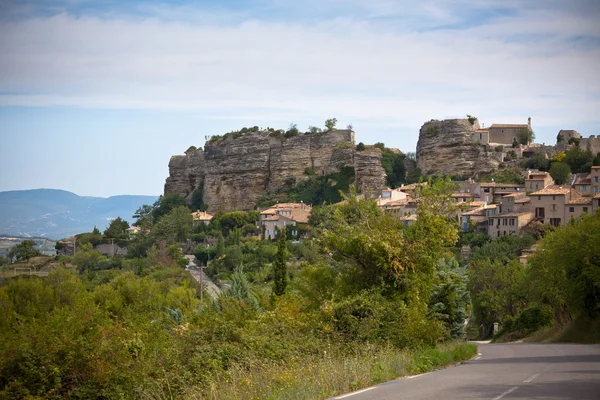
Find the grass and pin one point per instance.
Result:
(331, 374)
(583, 330)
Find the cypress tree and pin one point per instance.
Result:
(280, 277)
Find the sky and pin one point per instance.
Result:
(96, 95)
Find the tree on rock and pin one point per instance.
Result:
(280, 277)
(330, 124)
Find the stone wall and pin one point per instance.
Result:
(235, 173)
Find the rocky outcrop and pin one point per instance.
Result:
(234, 173)
(446, 147)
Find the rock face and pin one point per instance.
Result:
(446, 147)
(234, 173)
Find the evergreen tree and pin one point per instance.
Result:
(220, 246)
(280, 278)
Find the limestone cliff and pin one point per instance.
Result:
(446, 147)
(233, 173)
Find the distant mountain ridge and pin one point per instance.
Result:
(56, 214)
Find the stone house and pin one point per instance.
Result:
(507, 133)
(508, 223)
(201, 217)
(549, 204)
(595, 180)
(537, 181)
(575, 208)
(281, 216)
(477, 217)
(515, 202)
(492, 192)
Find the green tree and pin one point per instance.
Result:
(330, 124)
(191, 149)
(144, 216)
(565, 270)
(525, 136)
(450, 297)
(220, 245)
(240, 288)
(23, 251)
(314, 129)
(117, 229)
(560, 172)
(176, 226)
(578, 159)
(165, 204)
(360, 146)
(559, 138)
(280, 274)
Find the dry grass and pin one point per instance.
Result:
(331, 374)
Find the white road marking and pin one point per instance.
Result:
(512, 389)
(478, 354)
(477, 358)
(532, 377)
(416, 376)
(357, 392)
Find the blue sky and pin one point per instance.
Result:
(95, 96)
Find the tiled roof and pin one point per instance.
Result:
(523, 200)
(596, 167)
(511, 215)
(509, 126)
(583, 180)
(581, 200)
(552, 190)
(412, 186)
(514, 194)
(470, 195)
(496, 184)
(201, 216)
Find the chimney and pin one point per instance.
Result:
(529, 123)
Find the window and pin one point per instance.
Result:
(283, 223)
(486, 190)
(553, 208)
(491, 222)
(266, 223)
(596, 179)
(539, 197)
(571, 209)
(553, 197)
(584, 188)
(585, 209)
(268, 232)
(555, 221)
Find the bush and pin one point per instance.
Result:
(498, 149)
(360, 146)
(471, 119)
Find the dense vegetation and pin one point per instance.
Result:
(560, 283)
(363, 293)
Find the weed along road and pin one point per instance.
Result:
(503, 371)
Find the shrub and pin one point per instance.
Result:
(575, 141)
(360, 146)
(471, 119)
(431, 129)
(498, 149)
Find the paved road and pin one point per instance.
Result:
(504, 371)
(201, 277)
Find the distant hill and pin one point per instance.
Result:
(57, 214)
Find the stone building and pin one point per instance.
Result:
(507, 133)
(537, 181)
(280, 216)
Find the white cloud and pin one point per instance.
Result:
(356, 69)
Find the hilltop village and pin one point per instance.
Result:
(499, 187)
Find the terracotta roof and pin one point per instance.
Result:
(514, 194)
(201, 216)
(523, 200)
(584, 180)
(534, 176)
(482, 130)
(511, 215)
(395, 203)
(477, 204)
(509, 126)
(477, 211)
(552, 190)
(412, 186)
(596, 167)
(470, 195)
(412, 217)
(597, 196)
(496, 184)
(581, 200)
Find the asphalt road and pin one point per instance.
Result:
(504, 371)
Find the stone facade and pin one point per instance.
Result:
(235, 173)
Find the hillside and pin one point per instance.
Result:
(56, 213)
